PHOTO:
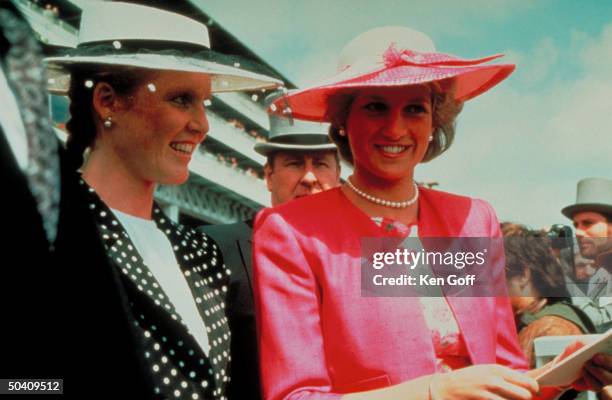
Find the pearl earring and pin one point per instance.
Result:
(108, 122)
(431, 139)
(341, 132)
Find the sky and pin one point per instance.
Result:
(523, 145)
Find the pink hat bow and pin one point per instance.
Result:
(392, 57)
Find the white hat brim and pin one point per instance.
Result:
(224, 78)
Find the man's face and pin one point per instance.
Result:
(298, 174)
(593, 232)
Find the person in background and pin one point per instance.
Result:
(592, 218)
(540, 301)
(562, 247)
(139, 79)
(300, 160)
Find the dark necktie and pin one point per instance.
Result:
(26, 77)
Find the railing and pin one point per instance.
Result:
(247, 107)
(241, 183)
(233, 137)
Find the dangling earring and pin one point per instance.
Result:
(341, 132)
(430, 139)
(108, 122)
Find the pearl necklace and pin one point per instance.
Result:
(383, 202)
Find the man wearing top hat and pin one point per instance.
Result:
(301, 160)
(592, 217)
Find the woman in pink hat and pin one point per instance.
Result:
(392, 106)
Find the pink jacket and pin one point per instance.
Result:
(320, 338)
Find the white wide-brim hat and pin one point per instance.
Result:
(592, 194)
(290, 134)
(393, 56)
(132, 35)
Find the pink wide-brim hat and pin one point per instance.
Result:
(394, 56)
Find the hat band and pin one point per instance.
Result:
(301, 139)
(135, 47)
(393, 57)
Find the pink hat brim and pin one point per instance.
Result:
(470, 81)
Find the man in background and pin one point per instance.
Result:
(592, 218)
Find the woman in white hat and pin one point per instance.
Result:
(391, 106)
(138, 93)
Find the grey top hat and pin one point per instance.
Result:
(290, 134)
(593, 194)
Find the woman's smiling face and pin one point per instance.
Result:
(161, 125)
(389, 130)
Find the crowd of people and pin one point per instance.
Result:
(579, 263)
(113, 297)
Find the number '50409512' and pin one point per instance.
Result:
(16, 386)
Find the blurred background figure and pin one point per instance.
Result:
(592, 218)
(584, 269)
(563, 247)
(540, 300)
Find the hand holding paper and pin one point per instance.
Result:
(577, 365)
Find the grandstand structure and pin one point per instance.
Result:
(226, 181)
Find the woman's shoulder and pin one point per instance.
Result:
(442, 196)
(327, 211)
(449, 214)
(551, 325)
(567, 312)
(320, 204)
(328, 197)
(547, 325)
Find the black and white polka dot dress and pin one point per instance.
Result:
(171, 356)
